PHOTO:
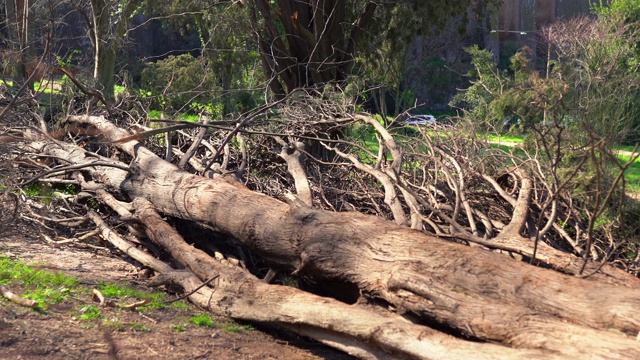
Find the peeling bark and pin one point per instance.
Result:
(292, 155)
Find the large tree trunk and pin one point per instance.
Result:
(302, 44)
(475, 293)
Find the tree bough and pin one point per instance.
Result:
(473, 293)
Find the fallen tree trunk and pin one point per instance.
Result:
(480, 294)
(355, 329)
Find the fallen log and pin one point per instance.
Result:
(479, 294)
(357, 330)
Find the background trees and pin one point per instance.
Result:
(108, 22)
(557, 202)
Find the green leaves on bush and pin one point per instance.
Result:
(179, 82)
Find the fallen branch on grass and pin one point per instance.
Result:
(17, 299)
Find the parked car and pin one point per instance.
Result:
(510, 121)
(424, 119)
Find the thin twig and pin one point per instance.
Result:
(193, 291)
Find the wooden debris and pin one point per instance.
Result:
(17, 299)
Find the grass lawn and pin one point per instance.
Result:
(632, 174)
(157, 115)
(502, 138)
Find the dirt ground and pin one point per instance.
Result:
(57, 334)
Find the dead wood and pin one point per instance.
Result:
(359, 331)
(111, 303)
(480, 294)
(17, 299)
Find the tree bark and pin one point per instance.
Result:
(107, 41)
(244, 297)
(475, 293)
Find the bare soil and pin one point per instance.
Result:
(57, 333)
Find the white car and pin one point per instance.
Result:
(421, 120)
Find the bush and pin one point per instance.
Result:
(178, 82)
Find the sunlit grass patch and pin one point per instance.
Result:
(203, 320)
(232, 327)
(47, 87)
(158, 114)
(124, 293)
(46, 287)
(507, 138)
(139, 327)
(632, 175)
(89, 313)
(118, 89)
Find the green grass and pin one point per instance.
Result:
(157, 115)
(627, 148)
(179, 327)
(632, 175)
(139, 327)
(505, 138)
(45, 87)
(203, 320)
(46, 193)
(234, 328)
(122, 293)
(89, 313)
(180, 305)
(38, 191)
(516, 151)
(46, 287)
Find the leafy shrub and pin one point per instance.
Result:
(179, 82)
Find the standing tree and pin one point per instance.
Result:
(107, 21)
(20, 30)
(307, 43)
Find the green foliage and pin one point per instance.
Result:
(589, 88)
(574, 108)
(203, 320)
(139, 327)
(67, 61)
(89, 313)
(489, 83)
(179, 328)
(179, 82)
(629, 10)
(46, 287)
(439, 79)
(124, 292)
(38, 191)
(234, 328)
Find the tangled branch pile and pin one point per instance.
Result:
(531, 203)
